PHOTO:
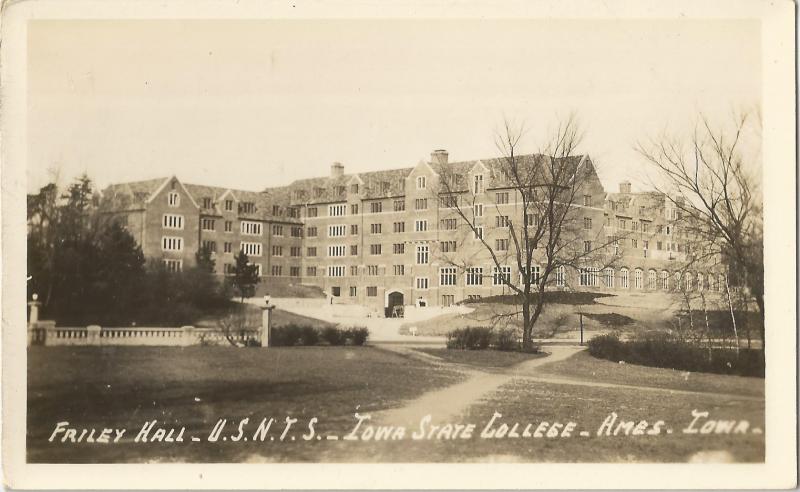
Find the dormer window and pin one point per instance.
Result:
(477, 184)
(276, 210)
(354, 188)
(340, 190)
(385, 186)
(228, 205)
(422, 182)
(319, 192)
(173, 199)
(247, 207)
(206, 202)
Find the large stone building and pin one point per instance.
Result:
(387, 238)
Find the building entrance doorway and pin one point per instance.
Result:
(394, 305)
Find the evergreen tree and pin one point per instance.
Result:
(245, 276)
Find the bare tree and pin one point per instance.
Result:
(541, 226)
(716, 191)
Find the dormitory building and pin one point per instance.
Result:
(383, 239)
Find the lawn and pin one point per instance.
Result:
(480, 358)
(98, 387)
(584, 366)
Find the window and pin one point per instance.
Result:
(376, 207)
(621, 224)
(477, 210)
(336, 250)
(354, 271)
(297, 231)
(700, 285)
(652, 280)
(501, 221)
(210, 246)
(312, 212)
(448, 201)
(561, 276)
(447, 276)
(228, 205)
(354, 189)
(477, 184)
(169, 243)
(587, 200)
(474, 276)
(227, 247)
(173, 265)
(474, 297)
(501, 244)
(623, 278)
(311, 232)
(634, 243)
(336, 230)
(399, 270)
(353, 289)
(422, 182)
(172, 221)
(207, 202)
(354, 209)
(637, 278)
(353, 229)
(423, 253)
(277, 250)
(251, 249)
(448, 300)
(294, 271)
(372, 270)
(608, 277)
(535, 275)
(531, 220)
(422, 283)
(478, 232)
(294, 251)
(228, 226)
(449, 224)
(448, 246)
(587, 223)
(311, 271)
(337, 210)
(277, 270)
(501, 197)
(173, 199)
(421, 204)
(277, 230)
(659, 245)
(336, 270)
(398, 248)
(587, 246)
(501, 276)
(311, 251)
(399, 227)
(250, 207)
(375, 228)
(665, 280)
(634, 225)
(589, 276)
(399, 205)
(276, 209)
(420, 225)
(645, 227)
(353, 250)
(251, 228)
(372, 291)
(374, 249)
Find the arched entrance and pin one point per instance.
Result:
(394, 299)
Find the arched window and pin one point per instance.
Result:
(652, 279)
(688, 278)
(637, 278)
(664, 279)
(678, 281)
(608, 277)
(700, 280)
(712, 280)
(623, 278)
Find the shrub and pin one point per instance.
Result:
(333, 336)
(358, 335)
(506, 340)
(606, 347)
(309, 335)
(470, 338)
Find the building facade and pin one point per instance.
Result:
(388, 238)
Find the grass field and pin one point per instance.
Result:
(194, 386)
(480, 358)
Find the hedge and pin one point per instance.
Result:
(662, 350)
(304, 335)
(482, 338)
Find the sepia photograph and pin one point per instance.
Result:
(416, 239)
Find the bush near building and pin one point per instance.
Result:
(482, 338)
(663, 350)
(293, 335)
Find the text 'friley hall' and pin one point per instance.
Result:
(390, 238)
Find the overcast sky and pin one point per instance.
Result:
(252, 104)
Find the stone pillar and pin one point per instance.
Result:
(93, 335)
(188, 336)
(266, 324)
(34, 304)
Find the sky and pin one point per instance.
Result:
(252, 104)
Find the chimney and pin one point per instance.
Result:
(337, 170)
(439, 156)
(625, 187)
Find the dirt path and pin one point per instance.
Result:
(446, 403)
